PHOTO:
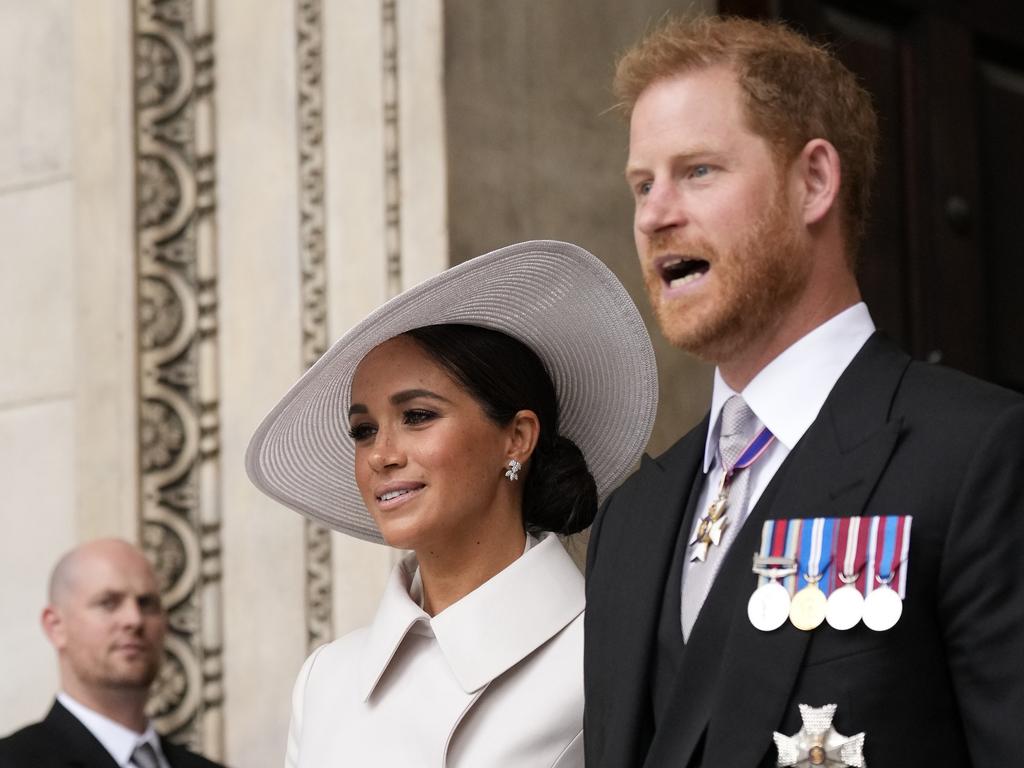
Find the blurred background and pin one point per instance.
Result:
(198, 196)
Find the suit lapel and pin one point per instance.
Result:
(75, 741)
(635, 567)
(735, 681)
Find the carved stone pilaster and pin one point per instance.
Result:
(392, 146)
(179, 426)
(312, 253)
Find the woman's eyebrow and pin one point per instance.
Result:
(410, 394)
(400, 397)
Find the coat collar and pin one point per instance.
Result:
(787, 395)
(74, 741)
(489, 630)
(735, 681)
(117, 739)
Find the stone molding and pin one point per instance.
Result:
(392, 146)
(178, 389)
(312, 254)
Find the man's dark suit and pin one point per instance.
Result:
(944, 687)
(60, 741)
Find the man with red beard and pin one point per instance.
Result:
(829, 569)
(106, 622)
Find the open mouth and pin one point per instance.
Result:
(679, 271)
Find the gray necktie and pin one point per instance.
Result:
(144, 756)
(738, 427)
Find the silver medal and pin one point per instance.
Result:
(882, 608)
(845, 605)
(768, 607)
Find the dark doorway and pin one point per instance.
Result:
(943, 262)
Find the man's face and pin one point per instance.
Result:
(716, 234)
(107, 622)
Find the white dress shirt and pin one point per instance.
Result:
(495, 680)
(786, 396)
(118, 740)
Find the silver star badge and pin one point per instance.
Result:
(818, 743)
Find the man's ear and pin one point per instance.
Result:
(523, 435)
(820, 175)
(53, 626)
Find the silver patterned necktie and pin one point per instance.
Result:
(738, 426)
(144, 756)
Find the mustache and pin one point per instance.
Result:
(662, 243)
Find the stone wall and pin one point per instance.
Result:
(38, 382)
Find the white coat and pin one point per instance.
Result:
(493, 681)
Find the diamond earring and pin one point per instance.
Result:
(512, 473)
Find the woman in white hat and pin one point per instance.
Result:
(469, 420)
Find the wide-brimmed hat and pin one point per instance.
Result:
(555, 297)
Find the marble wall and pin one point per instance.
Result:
(37, 349)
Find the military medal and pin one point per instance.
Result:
(882, 608)
(818, 742)
(768, 607)
(845, 605)
(890, 542)
(807, 610)
(776, 566)
(713, 523)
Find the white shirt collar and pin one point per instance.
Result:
(118, 740)
(787, 394)
(517, 610)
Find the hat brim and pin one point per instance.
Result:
(555, 297)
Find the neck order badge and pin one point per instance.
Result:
(714, 522)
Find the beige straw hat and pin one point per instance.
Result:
(555, 297)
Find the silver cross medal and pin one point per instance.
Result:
(713, 524)
(818, 743)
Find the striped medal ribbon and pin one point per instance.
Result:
(807, 610)
(845, 605)
(888, 548)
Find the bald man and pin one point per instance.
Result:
(106, 622)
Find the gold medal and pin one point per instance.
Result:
(807, 610)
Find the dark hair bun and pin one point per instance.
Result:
(560, 494)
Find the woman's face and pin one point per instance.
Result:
(428, 461)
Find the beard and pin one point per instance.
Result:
(752, 286)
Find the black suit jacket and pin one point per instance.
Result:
(944, 687)
(61, 741)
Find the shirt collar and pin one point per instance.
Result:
(787, 394)
(544, 585)
(118, 740)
